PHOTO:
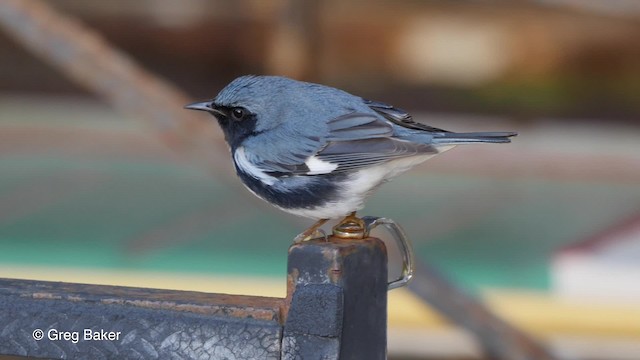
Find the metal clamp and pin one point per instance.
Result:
(403, 243)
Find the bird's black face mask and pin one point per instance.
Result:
(237, 124)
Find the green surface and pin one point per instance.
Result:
(129, 215)
(159, 216)
(77, 209)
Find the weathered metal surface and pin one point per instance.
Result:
(256, 307)
(338, 307)
(134, 323)
(335, 309)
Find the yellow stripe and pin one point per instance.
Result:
(535, 312)
(162, 280)
(549, 315)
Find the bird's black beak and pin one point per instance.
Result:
(207, 106)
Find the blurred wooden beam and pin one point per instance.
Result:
(499, 339)
(89, 60)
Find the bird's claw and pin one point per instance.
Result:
(315, 235)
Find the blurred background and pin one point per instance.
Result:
(104, 179)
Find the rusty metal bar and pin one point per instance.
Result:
(335, 309)
(61, 320)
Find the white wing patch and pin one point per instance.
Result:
(317, 166)
(248, 167)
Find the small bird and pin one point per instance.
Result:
(317, 151)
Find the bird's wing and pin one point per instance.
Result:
(285, 154)
(400, 117)
(440, 136)
(352, 141)
(358, 140)
(356, 154)
(358, 126)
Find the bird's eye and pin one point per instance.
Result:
(237, 113)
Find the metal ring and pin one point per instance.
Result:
(403, 243)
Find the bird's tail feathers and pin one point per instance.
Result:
(475, 137)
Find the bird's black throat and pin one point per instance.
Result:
(235, 132)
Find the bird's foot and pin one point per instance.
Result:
(314, 232)
(317, 234)
(351, 227)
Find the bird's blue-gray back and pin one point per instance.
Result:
(331, 124)
(312, 114)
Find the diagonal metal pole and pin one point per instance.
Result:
(89, 60)
(498, 339)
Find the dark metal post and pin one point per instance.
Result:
(338, 307)
(335, 308)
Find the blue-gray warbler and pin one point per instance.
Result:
(318, 152)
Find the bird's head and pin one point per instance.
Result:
(251, 105)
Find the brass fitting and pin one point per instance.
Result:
(351, 227)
